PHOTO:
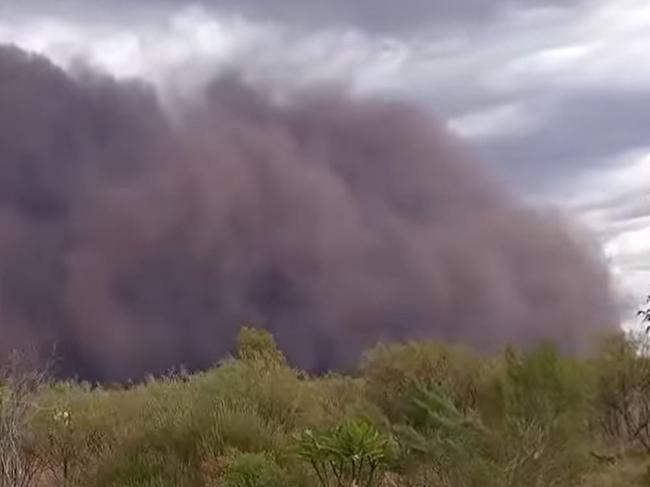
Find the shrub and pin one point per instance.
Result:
(340, 398)
(391, 372)
(21, 379)
(258, 346)
(261, 378)
(254, 470)
(539, 386)
(454, 420)
(453, 444)
(537, 408)
(623, 390)
(148, 467)
(353, 453)
(238, 425)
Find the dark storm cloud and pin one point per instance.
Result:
(137, 244)
(371, 15)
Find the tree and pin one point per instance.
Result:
(254, 344)
(20, 380)
(623, 389)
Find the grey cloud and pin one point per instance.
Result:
(612, 217)
(374, 15)
(384, 16)
(631, 206)
(581, 131)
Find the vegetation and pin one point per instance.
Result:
(415, 415)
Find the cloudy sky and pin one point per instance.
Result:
(554, 94)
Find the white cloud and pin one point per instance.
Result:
(593, 44)
(187, 47)
(157, 52)
(631, 247)
(600, 46)
(510, 120)
(625, 177)
(616, 203)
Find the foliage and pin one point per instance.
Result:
(417, 415)
(20, 382)
(258, 345)
(540, 386)
(254, 470)
(391, 372)
(623, 390)
(239, 425)
(540, 428)
(452, 442)
(353, 453)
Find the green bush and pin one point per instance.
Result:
(418, 415)
(238, 425)
(538, 411)
(254, 470)
(339, 398)
(453, 444)
(542, 386)
(354, 453)
(259, 346)
(147, 467)
(391, 372)
(275, 393)
(622, 402)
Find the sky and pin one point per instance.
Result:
(554, 95)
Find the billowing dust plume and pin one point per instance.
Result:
(137, 241)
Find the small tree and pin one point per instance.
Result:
(68, 448)
(258, 345)
(624, 385)
(351, 454)
(623, 392)
(452, 442)
(20, 380)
